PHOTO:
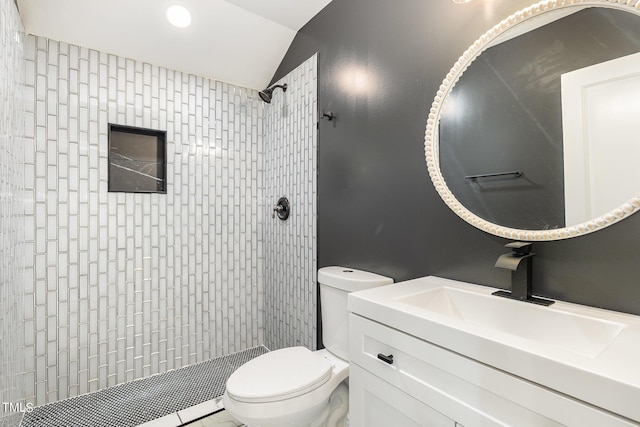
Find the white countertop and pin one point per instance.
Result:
(604, 372)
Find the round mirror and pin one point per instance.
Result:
(534, 134)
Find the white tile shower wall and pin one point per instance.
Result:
(290, 246)
(129, 285)
(12, 279)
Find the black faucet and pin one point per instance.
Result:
(519, 262)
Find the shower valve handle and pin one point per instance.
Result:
(278, 209)
(282, 209)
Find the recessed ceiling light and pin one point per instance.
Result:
(461, 1)
(178, 16)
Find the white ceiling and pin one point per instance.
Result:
(235, 41)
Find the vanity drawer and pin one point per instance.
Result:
(375, 403)
(460, 388)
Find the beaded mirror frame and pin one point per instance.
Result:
(431, 138)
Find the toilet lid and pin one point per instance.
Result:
(279, 375)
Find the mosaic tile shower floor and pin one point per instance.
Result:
(144, 400)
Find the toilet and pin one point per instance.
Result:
(294, 386)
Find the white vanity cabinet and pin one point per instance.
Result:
(426, 385)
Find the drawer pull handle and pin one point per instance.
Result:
(387, 359)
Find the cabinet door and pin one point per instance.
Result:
(376, 403)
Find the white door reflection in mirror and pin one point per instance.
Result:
(600, 114)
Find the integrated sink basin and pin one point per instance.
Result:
(582, 352)
(582, 334)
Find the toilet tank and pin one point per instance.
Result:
(335, 284)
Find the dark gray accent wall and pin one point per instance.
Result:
(377, 208)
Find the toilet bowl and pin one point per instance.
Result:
(295, 386)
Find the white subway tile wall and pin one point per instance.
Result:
(123, 286)
(291, 141)
(12, 207)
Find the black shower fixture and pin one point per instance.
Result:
(267, 93)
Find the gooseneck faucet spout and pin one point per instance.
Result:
(519, 262)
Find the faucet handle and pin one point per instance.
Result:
(519, 248)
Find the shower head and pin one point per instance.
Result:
(267, 93)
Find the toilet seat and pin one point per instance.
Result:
(297, 410)
(279, 375)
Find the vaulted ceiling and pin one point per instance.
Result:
(236, 41)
